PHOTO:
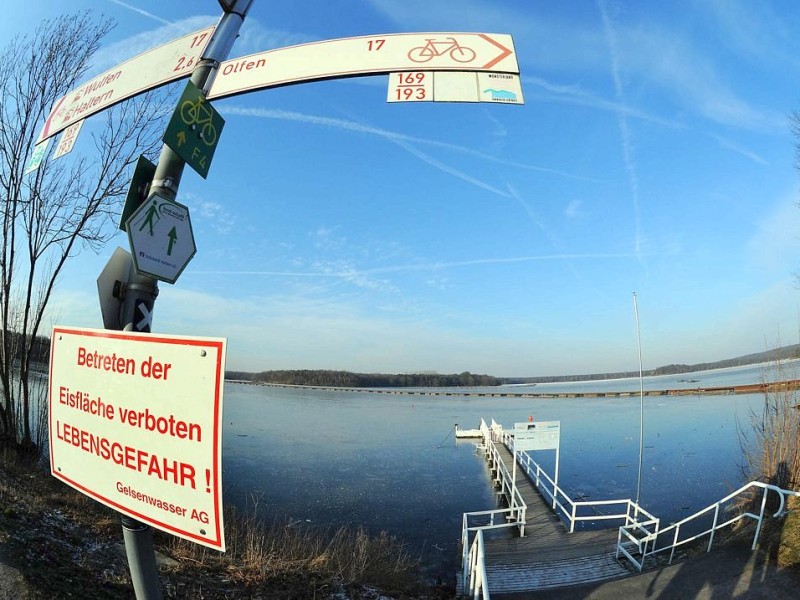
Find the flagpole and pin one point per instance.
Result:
(641, 401)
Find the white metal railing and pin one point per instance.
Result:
(575, 511)
(472, 559)
(668, 539)
(504, 480)
(476, 586)
(640, 535)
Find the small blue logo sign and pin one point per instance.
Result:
(501, 95)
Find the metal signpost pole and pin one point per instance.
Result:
(135, 315)
(140, 291)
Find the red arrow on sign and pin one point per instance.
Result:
(506, 52)
(46, 131)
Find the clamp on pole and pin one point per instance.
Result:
(166, 183)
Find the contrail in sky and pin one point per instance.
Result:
(425, 266)
(574, 94)
(392, 135)
(625, 132)
(141, 12)
(401, 140)
(445, 168)
(546, 231)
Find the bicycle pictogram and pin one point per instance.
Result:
(434, 48)
(198, 113)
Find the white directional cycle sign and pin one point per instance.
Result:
(171, 61)
(161, 238)
(367, 55)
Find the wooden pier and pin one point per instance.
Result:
(498, 562)
(548, 556)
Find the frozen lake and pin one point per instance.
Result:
(389, 462)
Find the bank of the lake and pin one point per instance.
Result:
(56, 543)
(388, 460)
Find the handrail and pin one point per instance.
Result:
(477, 585)
(652, 538)
(538, 475)
(467, 565)
(641, 530)
(514, 495)
(514, 516)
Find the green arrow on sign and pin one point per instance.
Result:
(181, 138)
(173, 237)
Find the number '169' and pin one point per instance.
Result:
(410, 86)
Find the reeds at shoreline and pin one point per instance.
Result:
(259, 549)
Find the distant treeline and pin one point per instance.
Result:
(783, 353)
(41, 347)
(41, 355)
(364, 380)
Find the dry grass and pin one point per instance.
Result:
(789, 547)
(61, 540)
(259, 550)
(771, 446)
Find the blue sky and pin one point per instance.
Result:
(654, 153)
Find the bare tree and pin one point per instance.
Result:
(770, 442)
(63, 207)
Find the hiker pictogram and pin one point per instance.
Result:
(151, 217)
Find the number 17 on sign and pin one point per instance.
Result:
(410, 87)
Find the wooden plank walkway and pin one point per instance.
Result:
(548, 556)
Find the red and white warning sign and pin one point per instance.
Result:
(136, 423)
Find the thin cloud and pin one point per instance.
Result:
(773, 245)
(574, 209)
(691, 77)
(284, 115)
(574, 94)
(401, 140)
(546, 231)
(254, 37)
(500, 130)
(446, 168)
(360, 278)
(118, 52)
(431, 266)
(730, 145)
(140, 11)
(628, 155)
(754, 30)
(532, 215)
(681, 70)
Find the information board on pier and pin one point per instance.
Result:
(135, 423)
(543, 435)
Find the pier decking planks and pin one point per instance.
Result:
(548, 556)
